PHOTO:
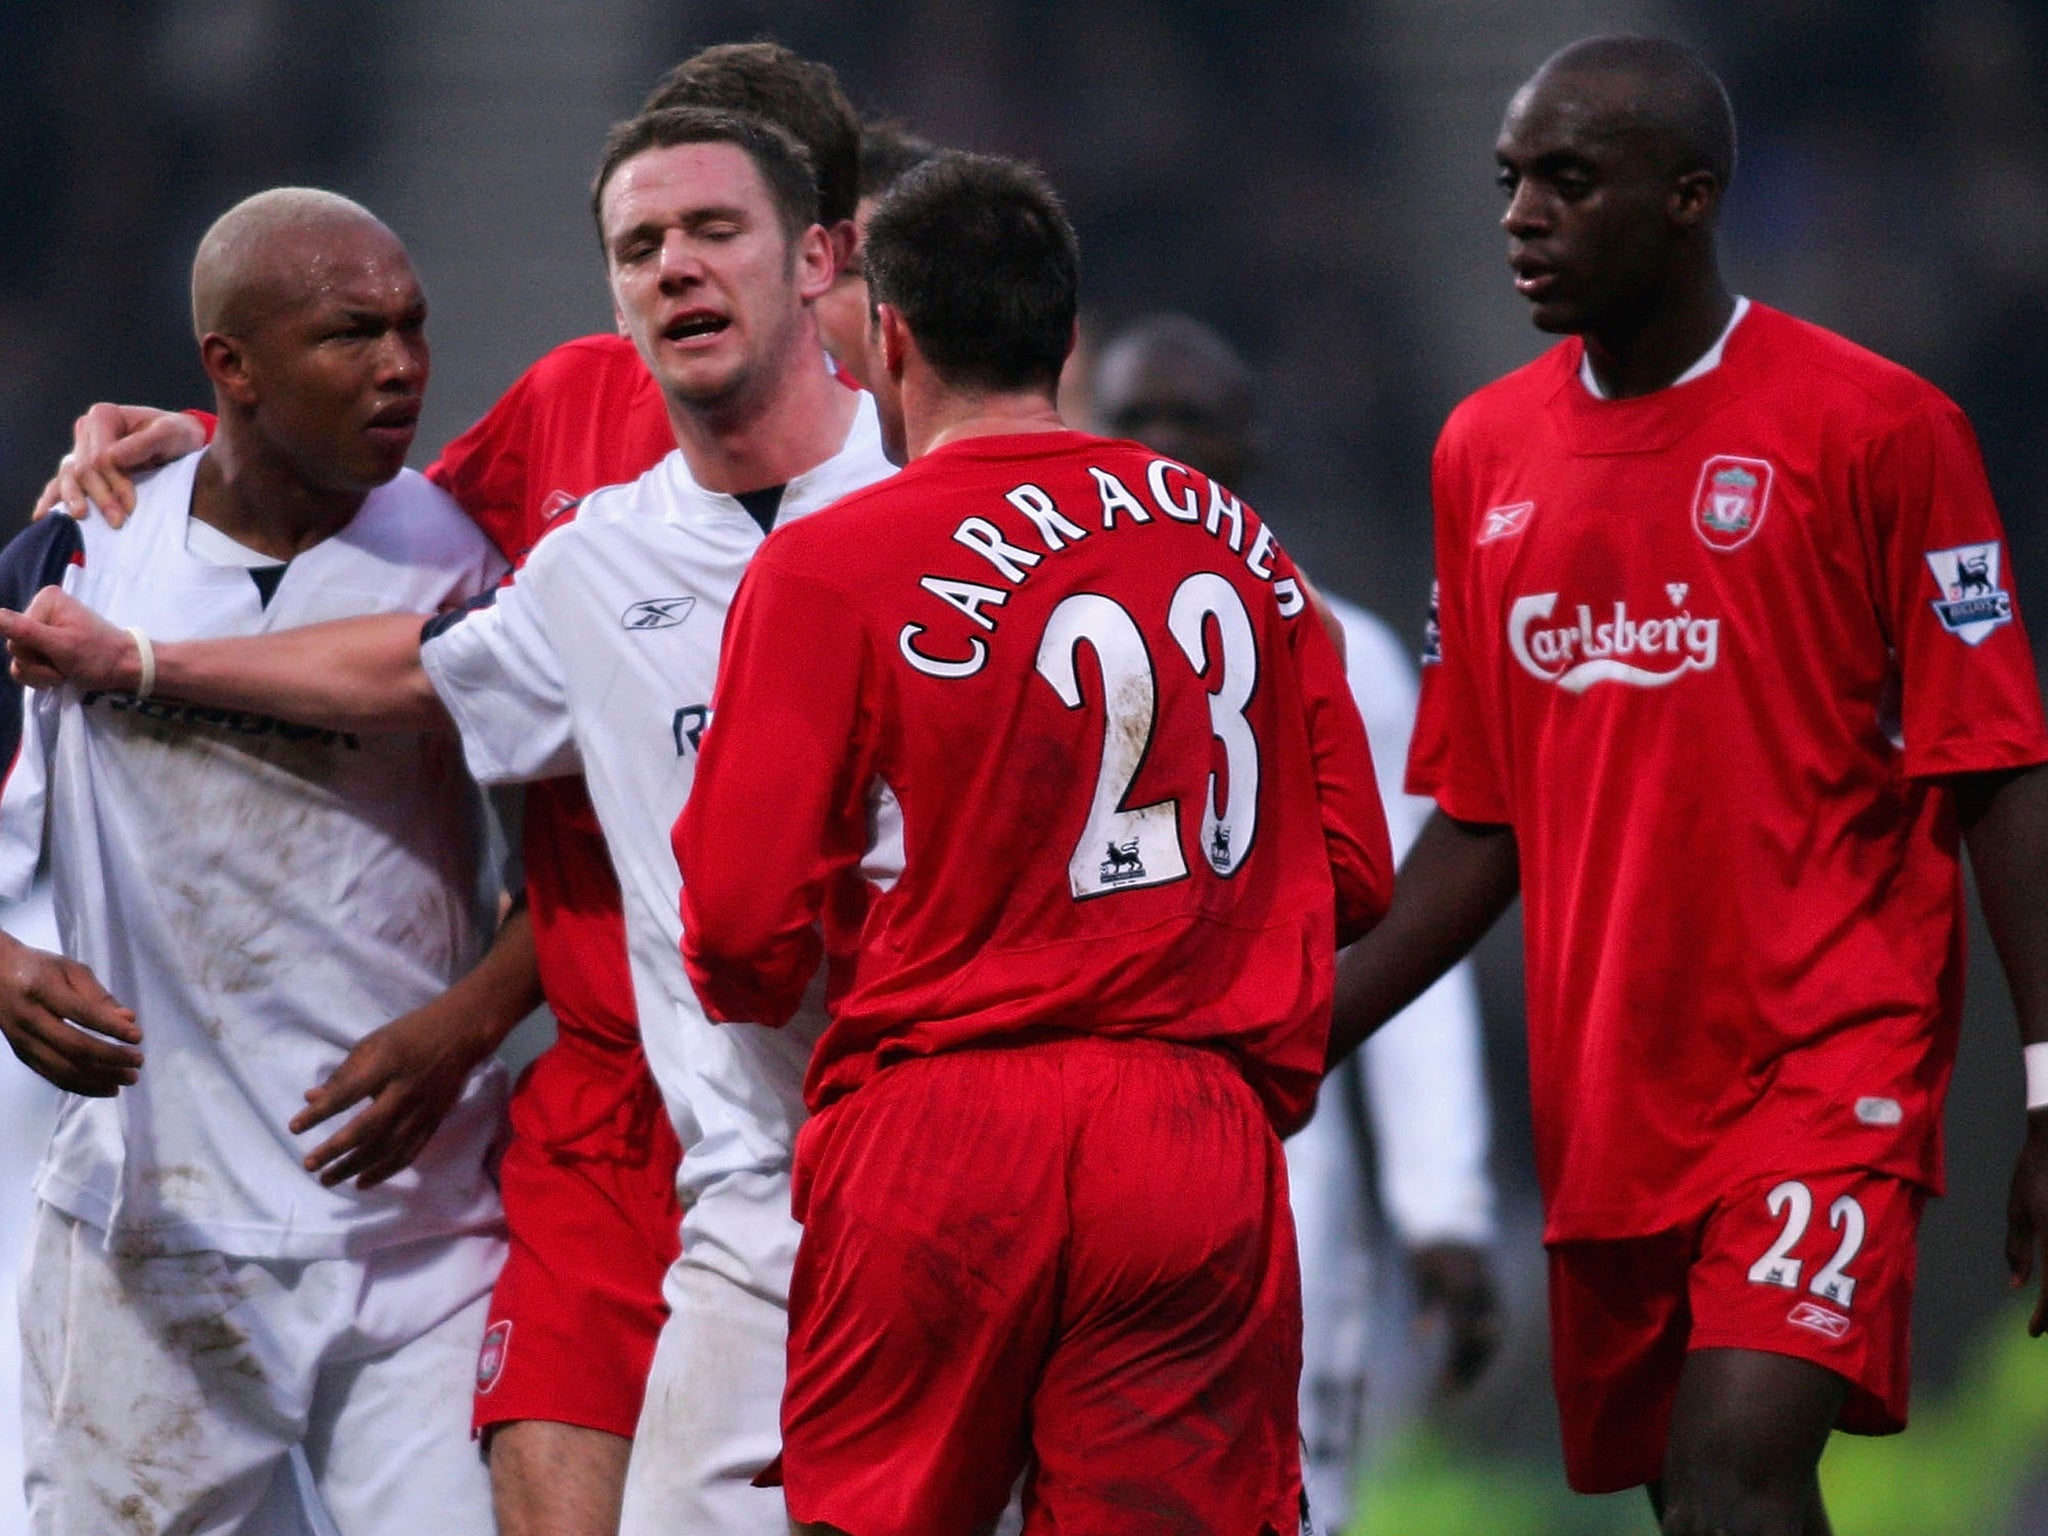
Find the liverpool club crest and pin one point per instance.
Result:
(490, 1359)
(1729, 505)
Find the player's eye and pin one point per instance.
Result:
(1507, 181)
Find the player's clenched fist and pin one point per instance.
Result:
(57, 639)
(63, 1024)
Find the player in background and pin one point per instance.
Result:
(1044, 732)
(259, 896)
(887, 151)
(601, 654)
(1176, 385)
(589, 1172)
(1725, 667)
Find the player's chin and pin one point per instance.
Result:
(1558, 317)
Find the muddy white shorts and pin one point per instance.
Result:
(166, 1393)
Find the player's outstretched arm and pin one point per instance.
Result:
(63, 1024)
(360, 674)
(1456, 881)
(413, 1069)
(2005, 823)
(110, 446)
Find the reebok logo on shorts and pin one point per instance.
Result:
(1820, 1319)
(490, 1355)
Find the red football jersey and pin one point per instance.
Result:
(1134, 793)
(586, 415)
(1710, 652)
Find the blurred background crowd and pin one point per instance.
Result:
(1314, 179)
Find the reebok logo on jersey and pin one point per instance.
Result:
(558, 502)
(1972, 603)
(1729, 504)
(1504, 522)
(1616, 648)
(1820, 1319)
(658, 613)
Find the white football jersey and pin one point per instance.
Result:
(262, 894)
(1425, 1073)
(600, 656)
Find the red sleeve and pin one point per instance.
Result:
(1969, 699)
(485, 469)
(1450, 757)
(208, 422)
(1347, 789)
(776, 811)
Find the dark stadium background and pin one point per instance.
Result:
(1315, 178)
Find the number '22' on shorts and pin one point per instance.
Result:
(1819, 1267)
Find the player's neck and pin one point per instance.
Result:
(1651, 351)
(258, 502)
(792, 426)
(934, 416)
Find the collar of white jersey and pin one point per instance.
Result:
(859, 463)
(1708, 361)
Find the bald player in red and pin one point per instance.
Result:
(1725, 669)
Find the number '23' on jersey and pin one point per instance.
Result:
(1135, 792)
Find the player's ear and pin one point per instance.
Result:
(817, 263)
(1694, 196)
(619, 319)
(226, 362)
(894, 335)
(845, 246)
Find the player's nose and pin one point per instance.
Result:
(680, 262)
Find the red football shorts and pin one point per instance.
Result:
(1818, 1267)
(1074, 1253)
(589, 1182)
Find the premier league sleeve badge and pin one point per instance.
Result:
(1972, 603)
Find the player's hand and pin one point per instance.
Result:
(411, 1071)
(57, 639)
(63, 1025)
(2026, 1218)
(110, 445)
(1455, 1290)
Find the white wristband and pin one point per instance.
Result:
(2037, 1076)
(145, 656)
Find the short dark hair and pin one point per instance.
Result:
(975, 252)
(779, 158)
(887, 150)
(798, 95)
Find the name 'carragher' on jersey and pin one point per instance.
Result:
(1134, 789)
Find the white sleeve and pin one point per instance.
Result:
(501, 678)
(1425, 1074)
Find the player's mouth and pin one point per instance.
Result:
(395, 424)
(1534, 279)
(694, 327)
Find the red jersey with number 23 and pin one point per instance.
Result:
(1136, 798)
(1710, 653)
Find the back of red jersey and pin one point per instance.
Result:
(1086, 690)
